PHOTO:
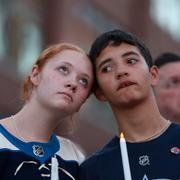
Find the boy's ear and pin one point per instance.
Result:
(154, 75)
(35, 75)
(99, 94)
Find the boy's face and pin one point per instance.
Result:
(123, 76)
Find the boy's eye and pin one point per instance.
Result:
(64, 69)
(106, 69)
(131, 61)
(83, 82)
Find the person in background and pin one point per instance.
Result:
(58, 85)
(167, 90)
(125, 77)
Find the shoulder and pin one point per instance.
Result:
(100, 161)
(174, 129)
(69, 150)
(5, 122)
(175, 125)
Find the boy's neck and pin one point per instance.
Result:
(140, 122)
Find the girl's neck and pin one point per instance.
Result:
(34, 123)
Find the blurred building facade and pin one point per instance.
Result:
(27, 27)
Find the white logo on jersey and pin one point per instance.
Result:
(38, 150)
(146, 178)
(144, 160)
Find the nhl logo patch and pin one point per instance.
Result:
(38, 150)
(144, 160)
(175, 150)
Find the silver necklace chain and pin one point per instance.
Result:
(18, 133)
(157, 134)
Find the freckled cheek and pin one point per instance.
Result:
(81, 97)
(56, 79)
(52, 84)
(84, 93)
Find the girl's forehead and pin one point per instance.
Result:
(68, 55)
(75, 59)
(64, 55)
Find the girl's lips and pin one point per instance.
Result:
(68, 95)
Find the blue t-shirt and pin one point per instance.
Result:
(32, 160)
(157, 159)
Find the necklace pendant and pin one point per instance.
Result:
(38, 150)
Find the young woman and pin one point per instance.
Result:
(58, 85)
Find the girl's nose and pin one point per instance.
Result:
(71, 86)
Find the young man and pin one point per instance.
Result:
(125, 77)
(167, 91)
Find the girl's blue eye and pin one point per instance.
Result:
(83, 82)
(64, 69)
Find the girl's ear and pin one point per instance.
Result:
(35, 75)
(154, 75)
(99, 94)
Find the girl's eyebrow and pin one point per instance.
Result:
(86, 75)
(69, 64)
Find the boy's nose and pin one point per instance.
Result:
(119, 75)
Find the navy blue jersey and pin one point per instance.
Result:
(157, 159)
(32, 160)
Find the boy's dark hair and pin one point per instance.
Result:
(115, 38)
(165, 58)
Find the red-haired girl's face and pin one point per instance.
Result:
(64, 83)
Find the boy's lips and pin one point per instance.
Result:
(125, 84)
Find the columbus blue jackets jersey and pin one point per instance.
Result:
(32, 160)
